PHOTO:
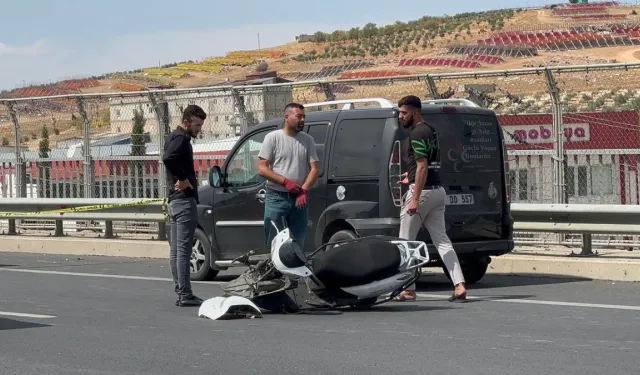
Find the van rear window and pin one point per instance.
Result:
(468, 142)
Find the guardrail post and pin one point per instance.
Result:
(587, 248)
(432, 89)
(21, 186)
(88, 173)
(162, 115)
(559, 156)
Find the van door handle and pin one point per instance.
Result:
(261, 195)
(457, 223)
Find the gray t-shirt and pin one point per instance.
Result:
(288, 156)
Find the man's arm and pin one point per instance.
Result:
(314, 166)
(268, 173)
(266, 154)
(172, 157)
(421, 154)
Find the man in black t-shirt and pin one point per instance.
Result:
(424, 203)
(182, 202)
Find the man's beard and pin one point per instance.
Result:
(296, 128)
(191, 133)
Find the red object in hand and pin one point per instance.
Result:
(301, 201)
(291, 186)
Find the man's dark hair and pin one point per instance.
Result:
(410, 101)
(293, 105)
(193, 110)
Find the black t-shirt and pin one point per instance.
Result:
(178, 160)
(423, 144)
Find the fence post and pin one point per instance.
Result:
(87, 163)
(559, 156)
(328, 93)
(21, 187)
(558, 142)
(432, 89)
(88, 172)
(161, 108)
(242, 112)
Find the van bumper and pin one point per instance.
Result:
(391, 227)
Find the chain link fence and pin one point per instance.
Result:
(571, 133)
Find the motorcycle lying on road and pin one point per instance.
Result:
(357, 273)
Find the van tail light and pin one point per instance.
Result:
(507, 179)
(394, 175)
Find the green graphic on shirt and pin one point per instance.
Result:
(424, 148)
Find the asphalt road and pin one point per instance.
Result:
(101, 315)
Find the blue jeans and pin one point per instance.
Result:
(281, 207)
(183, 220)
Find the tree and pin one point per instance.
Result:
(262, 67)
(43, 166)
(138, 148)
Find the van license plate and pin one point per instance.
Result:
(459, 199)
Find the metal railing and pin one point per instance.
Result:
(581, 219)
(572, 135)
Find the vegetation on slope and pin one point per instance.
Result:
(402, 36)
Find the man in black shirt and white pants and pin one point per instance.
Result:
(183, 201)
(424, 203)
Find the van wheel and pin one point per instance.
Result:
(342, 235)
(201, 258)
(473, 269)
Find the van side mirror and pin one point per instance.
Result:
(215, 176)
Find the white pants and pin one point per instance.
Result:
(431, 206)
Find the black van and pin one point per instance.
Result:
(357, 193)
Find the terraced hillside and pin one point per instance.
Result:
(501, 39)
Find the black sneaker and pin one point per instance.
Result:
(178, 301)
(190, 301)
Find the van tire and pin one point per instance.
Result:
(206, 272)
(341, 235)
(473, 269)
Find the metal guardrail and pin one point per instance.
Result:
(83, 209)
(584, 219)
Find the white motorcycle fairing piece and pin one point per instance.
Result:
(233, 307)
(287, 256)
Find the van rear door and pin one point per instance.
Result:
(472, 171)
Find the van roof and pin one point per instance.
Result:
(428, 106)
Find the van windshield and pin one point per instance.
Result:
(468, 142)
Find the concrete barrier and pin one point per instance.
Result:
(612, 265)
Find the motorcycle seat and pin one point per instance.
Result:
(356, 263)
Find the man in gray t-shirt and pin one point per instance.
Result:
(289, 162)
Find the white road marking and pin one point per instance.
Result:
(425, 295)
(538, 302)
(104, 275)
(24, 315)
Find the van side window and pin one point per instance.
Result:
(319, 134)
(356, 149)
(242, 167)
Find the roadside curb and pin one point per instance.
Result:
(537, 265)
(612, 269)
(86, 246)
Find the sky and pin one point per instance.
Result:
(44, 41)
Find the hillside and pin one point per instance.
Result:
(500, 39)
